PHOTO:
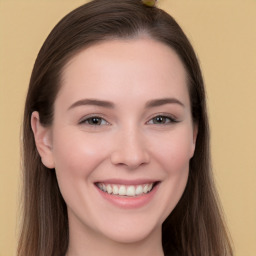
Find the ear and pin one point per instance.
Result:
(43, 140)
(195, 132)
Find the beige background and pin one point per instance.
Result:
(224, 36)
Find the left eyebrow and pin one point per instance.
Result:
(160, 102)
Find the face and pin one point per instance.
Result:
(121, 139)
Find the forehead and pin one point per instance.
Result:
(133, 67)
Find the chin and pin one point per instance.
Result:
(130, 236)
(132, 229)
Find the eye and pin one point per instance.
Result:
(94, 121)
(161, 119)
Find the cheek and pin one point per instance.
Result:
(175, 151)
(174, 157)
(76, 158)
(77, 155)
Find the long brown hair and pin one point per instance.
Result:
(195, 227)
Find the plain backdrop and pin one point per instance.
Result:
(223, 33)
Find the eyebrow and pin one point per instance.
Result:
(94, 102)
(160, 102)
(108, 104)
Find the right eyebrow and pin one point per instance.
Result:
(83, 102)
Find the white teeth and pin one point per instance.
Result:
(145, 189)
(150, 186)
(115, 189)
(109, 189)
(123, 190)
(139, 190)
(130, 191)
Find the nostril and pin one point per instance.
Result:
(129, 159)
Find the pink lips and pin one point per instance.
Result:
(126, 202)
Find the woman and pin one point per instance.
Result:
(116, 140)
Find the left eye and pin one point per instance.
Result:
(95, 120)
(161, 120)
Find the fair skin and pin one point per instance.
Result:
(122, 118)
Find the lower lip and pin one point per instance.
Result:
(129, 202)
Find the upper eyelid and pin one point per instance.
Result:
(92, 115)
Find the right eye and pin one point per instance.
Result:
(94, 121)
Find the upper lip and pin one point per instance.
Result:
(127, 182)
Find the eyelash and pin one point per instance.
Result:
(168, 120)
(91, 118)
(163, 117)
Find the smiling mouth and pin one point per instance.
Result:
(126, 190)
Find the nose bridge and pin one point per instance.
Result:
(130, 148)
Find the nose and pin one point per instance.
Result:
(130, 150)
